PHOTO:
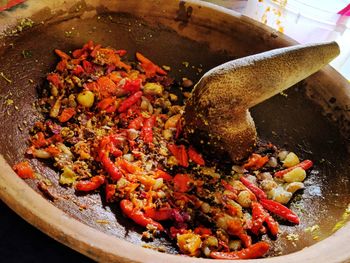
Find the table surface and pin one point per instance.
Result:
(21, 242)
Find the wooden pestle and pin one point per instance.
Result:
(217, 113)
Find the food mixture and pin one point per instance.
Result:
(116, 127)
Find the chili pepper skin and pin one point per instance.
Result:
(126, 166)
(78, 70)
(306, 164)
(160, 214)
(110, 192)
(229, 187)
(110, 167)
(105, 103)
(256, 250)
(256, 161)
(53, 150)
(39, 140)
(62, 54)
(202, 231)
(174, 231)
(272, 225)
(180, 154)
(54, 78)
(24, 170)
(280, 210)
(183, 156)
(256, 190)
(245, 238)
(88, 67)
(148, 66)
(181, 182)
(138, 216)
(161, 174)
(78, 53)
(66, 114)
(90, 185)
(127, 103)
(132, 86)
(195, 156)
(146, 131)
(259, 216)
(136, 123)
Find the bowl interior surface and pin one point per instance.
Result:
(290, 120)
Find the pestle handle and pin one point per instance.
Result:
(253, 79)
(218, 110)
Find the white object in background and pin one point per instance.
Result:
(307, 21)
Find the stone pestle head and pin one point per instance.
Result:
(217, 113)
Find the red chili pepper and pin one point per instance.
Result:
(95, 50)
(52, 150)
(180, 154)
(88, 67)
(259, 216)
(183, 156)
(106, 103)
(90, 185)
(38, 140)
(127, 103)
(195, 156)
(147, 129)
(110, 167)
(280, 210)
(62, 65)
(55, 138)
(78, 70)
(89, 46)
(256, 161)
(223, 246)
(10, 3)
(121, 52)
(182, 183)
(229, 187)
(272, 225)
(61, 54)
(245, 238)
(137, 216)
(306, 164)
(174, 231)
(231, 210)
(126, 166)
(256, 190)
(136, 123)
(132, 86)
(161, 174)
(24, 170)
(66, 114)
(160, 214)
(78, 53)
(256, 250)
(202, 231)
(149, 67)
(110, 192)
(54, 78)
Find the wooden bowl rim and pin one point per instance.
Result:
(42, 214)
